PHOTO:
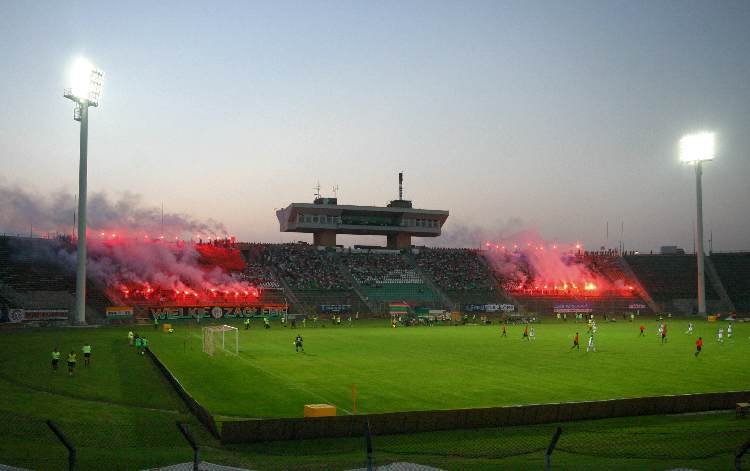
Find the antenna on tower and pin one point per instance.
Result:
(400, 185)
(317, 190)
(335, 191)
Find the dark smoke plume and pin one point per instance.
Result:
(22, 209)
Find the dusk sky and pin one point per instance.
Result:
(556, 116)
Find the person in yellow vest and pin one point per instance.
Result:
(55, 358)
(86, 354)
(72, 359)
(131, 335)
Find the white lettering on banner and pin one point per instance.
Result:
(16, 315)
(119, 311)
(45, 315)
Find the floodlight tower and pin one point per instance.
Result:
(85, 91)
(695, 149)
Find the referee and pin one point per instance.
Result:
(72, 358)
(55, 358)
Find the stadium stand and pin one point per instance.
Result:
(734, 271)
(669, 278)
(224, 256)
(304, 267)
(461, 273)
(259, 274)
(39, 274)
(386, 276)
(35, 275)
(312, 276)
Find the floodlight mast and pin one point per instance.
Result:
(695, 149)
(85, 92)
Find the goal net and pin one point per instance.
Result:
(221, 337)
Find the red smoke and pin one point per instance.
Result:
(529, 265)
(142, 270)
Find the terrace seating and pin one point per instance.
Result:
(304, 267)
(386, 277)
(456, 269)
(34, 265)
(228, 258)
(461, 274)
(668, 277)
(36, 269)
(376, 269)
(414, 294)
(734, 271)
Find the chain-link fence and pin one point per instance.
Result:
(29, 443)
(34, 444)
(539, 447)
(687, 448)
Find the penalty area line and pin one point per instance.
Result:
(289, 383)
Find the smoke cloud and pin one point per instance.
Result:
(527, 261)
(55, 212)
(130, 250)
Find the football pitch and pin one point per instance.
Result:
(447, 367)
(122, 412)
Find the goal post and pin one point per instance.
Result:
(220, 337)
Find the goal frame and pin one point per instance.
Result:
(209, 344)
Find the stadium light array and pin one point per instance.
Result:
(696, 149)
(86, 83)
(85, 91)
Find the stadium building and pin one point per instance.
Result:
(399, 221)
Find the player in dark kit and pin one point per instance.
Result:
(505, 333)
(576, 343)
(298, 344)
(698, 346)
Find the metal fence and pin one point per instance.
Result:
(542, 447)
(35, 444)
(51, 446)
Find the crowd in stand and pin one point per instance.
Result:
(456, 269)
(375, 269)
(608, 264)
(305, 267)
(260, 276)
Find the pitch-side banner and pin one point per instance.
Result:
(335, 308)
(573, 307)
(489, 307)
(119, 312)
(32, 315)
(636, 306)
(216, 312)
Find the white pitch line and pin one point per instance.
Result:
(289, 383)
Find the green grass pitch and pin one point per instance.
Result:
(120, 413)
(445, 367)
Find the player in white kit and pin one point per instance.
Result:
(690, 328)
(591, 345)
